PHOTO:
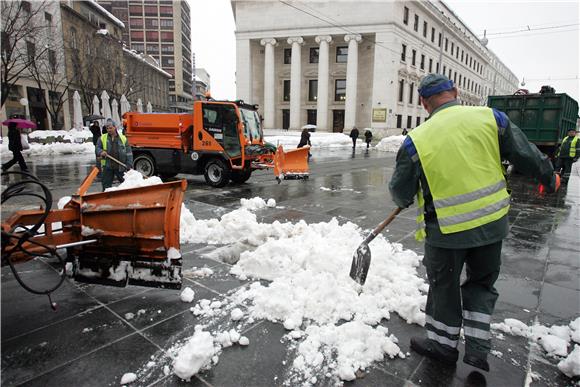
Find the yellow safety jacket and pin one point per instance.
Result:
(459, 153)
(104, 141)
(572, 146)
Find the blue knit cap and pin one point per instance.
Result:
(433, 84)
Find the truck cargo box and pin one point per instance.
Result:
(544, 118)
(157, 130)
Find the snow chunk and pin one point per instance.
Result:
(187, 295)
(257, 203)
(244, 341)
(194, 355)
(554, 345)
(173, 253)
(127, 378)
(237, 314)
(571, 365)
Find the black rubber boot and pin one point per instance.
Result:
(434, 350)
(476, 361)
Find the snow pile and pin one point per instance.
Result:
(194, 355)
(555, 340)
(72, 135)
(390, 144)
(290, 139)
(134, 179)
(128, 378)
(58, 148)
(257, 203)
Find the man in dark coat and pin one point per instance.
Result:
(368, 137)
(96, 131)
(15, 145)
(305, 140)
(354, 136)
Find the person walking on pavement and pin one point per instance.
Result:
(305, 140)
(15, 146)
(354, 136)
(567, 154)
(116, 145)
(368, 137)
(452, 163)
(96, 131)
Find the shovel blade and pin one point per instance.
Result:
(361, 261)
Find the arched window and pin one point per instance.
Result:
(73, 38)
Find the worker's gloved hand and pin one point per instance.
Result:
(103, 154)
(542, 189)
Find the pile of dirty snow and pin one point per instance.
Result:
(332, 322)
(390, 144)
(555, 340)
(57, 148)
(290, 139)
(66, 136)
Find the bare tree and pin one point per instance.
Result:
(19, 32)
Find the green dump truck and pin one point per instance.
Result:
(544, 118)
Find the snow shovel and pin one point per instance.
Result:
(361, 260)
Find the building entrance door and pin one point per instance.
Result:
(285, 118)
(337, 121)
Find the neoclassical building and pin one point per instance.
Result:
(339, 64)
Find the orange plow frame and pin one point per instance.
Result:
(138, 226)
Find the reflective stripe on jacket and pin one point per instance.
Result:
(572, 150)
(459, 152)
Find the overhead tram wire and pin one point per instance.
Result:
(532, 29)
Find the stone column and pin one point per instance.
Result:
(322, 96)
(269, 83)
(295, 81)
(351, 80)
(244, 80)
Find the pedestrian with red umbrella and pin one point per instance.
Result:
(15, 142)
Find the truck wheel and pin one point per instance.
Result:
(144, 164)
(217, 173)
(239, 177)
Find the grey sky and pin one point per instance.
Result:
(541, 57)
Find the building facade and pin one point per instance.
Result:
(29, 95)
(356, 63)
(162, 30)
(202, 83)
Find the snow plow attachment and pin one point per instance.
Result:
(292, 164)
(128, 236)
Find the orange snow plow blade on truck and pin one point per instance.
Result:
(128, 236)
(221, 140)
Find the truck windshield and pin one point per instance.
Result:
(252, 124)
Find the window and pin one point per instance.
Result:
(418, 122)
(152, 36)
(285, 118)
(312, 89)
(287, 55)
(401, 90)
(439, 39)
(399, 121)
(424, 29)
(457, 53)
(422, 62)
(432, 35)
(48, 18)
(168, 61)
(462, 55)
(52, 59)
(73, 39)
(166, 11)
(459, 79)
(25, 6)
(138, 47)
(166, 23)
(437, 68)
(286, 96)
(311, 116)
(151, 10)
(406, 16)
(30, 51)
(430, 65)
(341, 54)
(167, 48)
(136, 22)
(88, 46)
(452, 48)
(167, 36)
(416, 24)
(403, 52)
(409, 122)
(449, 76)
(136, 10)
(152, 49)
(411, 89)
(313, 54)
(444, 68)
(470, 62)
(137, 36)
(413, 56)
(446, 44)
(455, 77)
(152, 23)
(340, 90)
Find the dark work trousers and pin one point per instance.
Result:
(565, 163)
(353, 143)
(16, 158)
(107, 176)
(450, 304)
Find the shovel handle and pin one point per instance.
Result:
(381, 226)
(117, 161)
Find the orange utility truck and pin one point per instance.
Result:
(222, 140)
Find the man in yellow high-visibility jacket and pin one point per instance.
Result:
(452, 163)
(568, 154)
(114, 144)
